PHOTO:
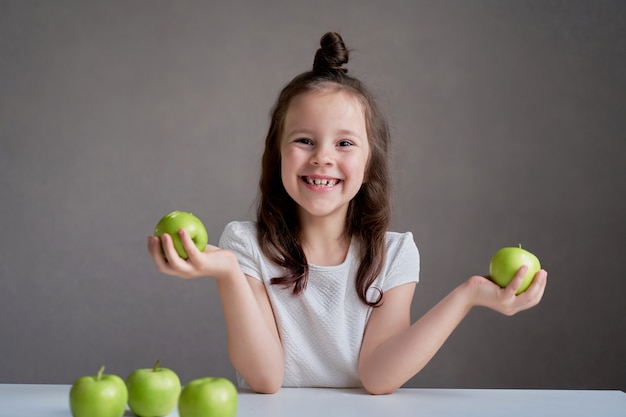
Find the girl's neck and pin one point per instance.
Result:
(324, 240)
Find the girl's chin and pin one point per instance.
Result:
(322, 212)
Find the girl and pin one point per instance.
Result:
(317, 292)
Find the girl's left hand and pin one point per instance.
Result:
(214, 261)
(485, 293)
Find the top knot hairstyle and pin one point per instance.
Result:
(369, 211)
(332, 54)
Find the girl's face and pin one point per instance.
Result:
(324, 152)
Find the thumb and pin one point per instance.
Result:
(516, 282)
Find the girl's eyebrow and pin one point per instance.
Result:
(299, 132)
(310, 132)
(348, 132)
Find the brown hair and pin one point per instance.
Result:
(369, 211)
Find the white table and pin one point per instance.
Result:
(31, 400)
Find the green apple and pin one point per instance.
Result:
(208, 397)
(172, 222)
(507, 261)
(152, 392)
(98, 396)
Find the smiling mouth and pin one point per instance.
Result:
(321, 182)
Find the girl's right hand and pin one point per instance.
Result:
(486, 293)
(214, 261)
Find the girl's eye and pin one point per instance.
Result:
(305, 141)
(345, 143)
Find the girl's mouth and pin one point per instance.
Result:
(321, 182)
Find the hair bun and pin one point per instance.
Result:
(332, 55)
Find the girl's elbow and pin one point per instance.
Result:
(375, 383)
(377, 386)
(268, 384)
(266, 378)
(379, 389)
(265, 388)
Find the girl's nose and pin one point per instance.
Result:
(322, 156)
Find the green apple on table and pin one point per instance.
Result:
(172, 222)
(152, 392)
(98, 395)
(208, 397)
(507, 261)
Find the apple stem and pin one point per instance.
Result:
(100, 372)
(156, 366)
(520, 245)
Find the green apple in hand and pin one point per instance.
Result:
(98, 396)
(152, 392)
(507, 261)
(172, 222)
(208, 397)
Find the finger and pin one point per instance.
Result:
(155, 250)
(154, 245)
(532, 296)
(516, 282)
(158, 257)
(167, 243)
(188, 244)
(538, 287)
(543, 282)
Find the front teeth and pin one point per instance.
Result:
(321, 182)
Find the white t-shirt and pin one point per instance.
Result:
(322, 329)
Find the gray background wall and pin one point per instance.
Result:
(508, 126)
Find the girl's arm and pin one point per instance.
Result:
(393, 351)
(254, 345)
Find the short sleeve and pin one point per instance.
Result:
(240, 238)
(403, 261)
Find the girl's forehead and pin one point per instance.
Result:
(329, 91)
(320, 100)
